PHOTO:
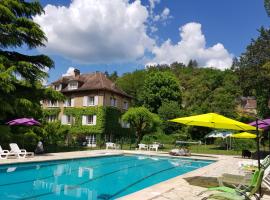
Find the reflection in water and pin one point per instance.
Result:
(11, 169)
(86, 170)
(64, 189)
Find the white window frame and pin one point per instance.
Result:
(51, 118)
(85, 120)
(69, 119)
(53, 104)
(58, 87)
(73, 85)
(69, 102)
(91, 103)
(64, 119)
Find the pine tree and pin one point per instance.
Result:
(21, 75)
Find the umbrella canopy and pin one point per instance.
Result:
(23, 122)
(244, 135)
(218, 134)
(262, 124)
(214, 120)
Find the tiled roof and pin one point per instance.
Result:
(92, 81)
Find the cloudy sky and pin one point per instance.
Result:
(122, 35)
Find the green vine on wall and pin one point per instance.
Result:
(51, 111)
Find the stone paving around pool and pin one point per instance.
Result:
(184, 187)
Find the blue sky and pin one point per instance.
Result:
(231, 23)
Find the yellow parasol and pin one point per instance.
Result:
(244, 135)
(214, 120)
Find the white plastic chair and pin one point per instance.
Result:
(153, 147)
(111, 145)
(21, 153)
(143, 147)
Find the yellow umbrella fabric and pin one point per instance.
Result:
(244, 135)
(214, 120)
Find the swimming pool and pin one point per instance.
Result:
(98, 178)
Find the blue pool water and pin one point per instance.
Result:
(97, 178)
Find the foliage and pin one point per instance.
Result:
(132, 84)
(30, 140)
(169, 110)
(267, 7)
(159, 137)
(21, 75)
(142, 121)
(253, 70)
(51, 111)
(159, 87)
(241, 144)
(77, 126)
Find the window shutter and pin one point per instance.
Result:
(72, 102)
(96, 101)
(94, 119)
(83, 120)
(85, 100)
(64, 119)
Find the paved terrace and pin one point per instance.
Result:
(184, 187)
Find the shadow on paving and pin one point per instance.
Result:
(207, 182)
(202, 181)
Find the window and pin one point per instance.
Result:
(51, 118)
(67, 119)
(53, 104)
(113, 102)
(91, 140)
(69, 102)
(89, 120)
(58, 87)
(125, 106)
(73, 85)
(90, 100)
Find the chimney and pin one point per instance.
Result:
(76, 72)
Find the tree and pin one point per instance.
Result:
(132, 84)
(21, 75)
(253, 70)
(142, 121)
(169, 110)
(160, 87)
(267, 7)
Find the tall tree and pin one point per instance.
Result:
(253, 69)
(160, 87)
(21, 75)
(142, 121)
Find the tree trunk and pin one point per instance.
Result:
(139, 137)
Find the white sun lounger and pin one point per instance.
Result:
(111, 145)
(4, 153)
(20, 153)
(153, 147)
(143, 147)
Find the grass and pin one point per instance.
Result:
(200, 149)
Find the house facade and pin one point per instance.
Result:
(93, 106)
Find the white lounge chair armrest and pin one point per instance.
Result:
(5, 151)
(23, 150)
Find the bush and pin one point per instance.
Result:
(30, 140)
(161, 138)
(241, 144)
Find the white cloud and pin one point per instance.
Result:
(69, 72)
(94, 31)
(192, 46)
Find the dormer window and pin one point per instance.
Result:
(73, 85)
(58, 87)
